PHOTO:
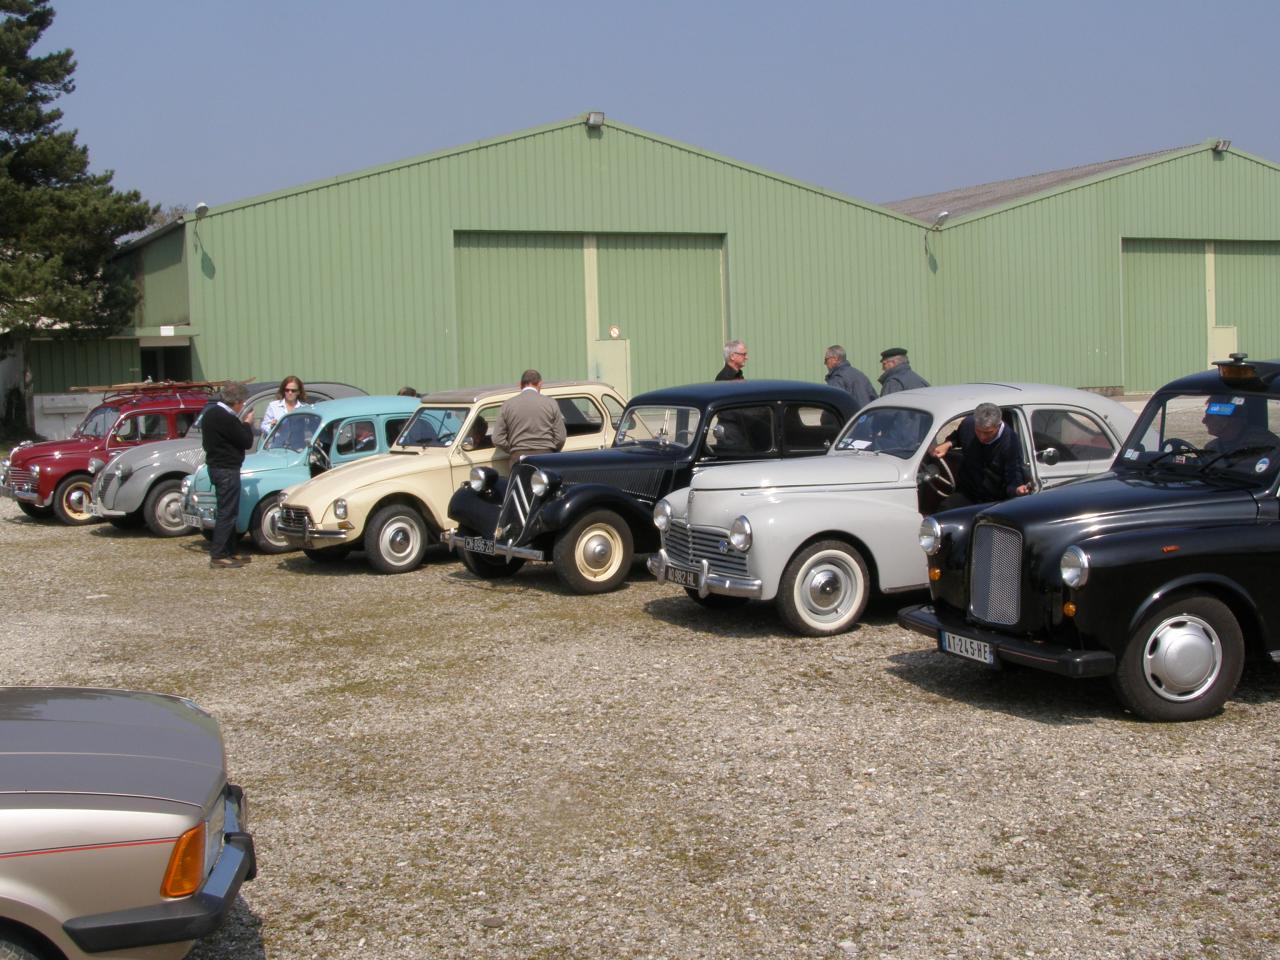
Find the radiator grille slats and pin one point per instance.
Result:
(293, 520)
(689, 546)
(995, 574)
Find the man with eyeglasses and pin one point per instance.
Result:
(735, 358)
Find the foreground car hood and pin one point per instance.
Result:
(116, 742)
(266, 461)
(185, 450)
(836, 469)
(54, 449)
(319, 492)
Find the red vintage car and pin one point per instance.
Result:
(54, 478)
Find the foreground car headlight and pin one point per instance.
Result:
(123, 471)
(543, 483)
(662, 515)
(95, 465)
(740, 535)
(35, 471)
(930, 536)
(1074, 567)
(340, 509)
(481, 479)
(186, 486)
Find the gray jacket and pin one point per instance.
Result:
(844, 376)
(529, 423)
(901, 377)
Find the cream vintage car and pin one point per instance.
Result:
(392, 506)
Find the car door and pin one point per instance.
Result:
(1067, 443)
(136, 428)
(474, 446)
(740, 434)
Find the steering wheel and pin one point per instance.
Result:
(319, 457)
(937, 476)
(1177, 445)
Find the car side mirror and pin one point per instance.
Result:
(1048, 456)
(468, 444)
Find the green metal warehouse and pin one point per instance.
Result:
(588, 248)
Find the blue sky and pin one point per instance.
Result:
(226, 99)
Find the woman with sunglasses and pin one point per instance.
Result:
(291, 395)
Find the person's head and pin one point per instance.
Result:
(892, 357)
(735, 354)
(291, 389)
(986, 421)
(835, 356)
(234, 395)
(531, 378)
(1223, 419)
(407, 392)
(479, 427)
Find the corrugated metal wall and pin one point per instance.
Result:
(56, 366)
(162, 277)
(1248, 295)
(1165, 313)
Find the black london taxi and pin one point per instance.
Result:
(1160, 574)
(589, 513)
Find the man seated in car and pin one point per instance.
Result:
(990, 459)
(1234, 430)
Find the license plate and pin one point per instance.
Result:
(686, 578)
(191, 520)
(968, 647)
(477, 545)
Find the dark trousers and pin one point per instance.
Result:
(226, 484)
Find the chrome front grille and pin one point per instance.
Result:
(20, 478)
(517, 506)
(995, 574)
(100, 483)
(688, 546)
(293, 520)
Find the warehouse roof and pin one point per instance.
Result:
(967, 200)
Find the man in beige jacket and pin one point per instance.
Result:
(529, 423)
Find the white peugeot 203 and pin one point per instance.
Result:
(820, 535)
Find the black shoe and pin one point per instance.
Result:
(244, 557)
(225, 563)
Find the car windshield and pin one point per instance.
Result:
(1230, 436)
(97, 422)
(293, 432)
(433, 427)
(896, 431)
(658, 426)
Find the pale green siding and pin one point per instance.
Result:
(162, 280)
(1165, 315)
(58, 366)
(1248, 295)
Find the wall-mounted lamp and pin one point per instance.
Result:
(201, 210)
(595, 119)
(940, 219)
(615, 332)
(1221, 146)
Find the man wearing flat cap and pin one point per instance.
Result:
(897, 373)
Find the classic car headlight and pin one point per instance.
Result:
(930, 536)
(123, 471)
(662, 515)
(186, 485)
(740, 535)
(543, 483)
(35, 471)
(1074, 567)
(95, 465)
(481, 479)
(340, 509)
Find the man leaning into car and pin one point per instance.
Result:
(990, 459)
(226, 436)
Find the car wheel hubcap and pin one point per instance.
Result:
(830, 588)
(599, 552)
(169, 511)
(1182, 659)
(399, 541)
(271, 526)
(76, 501)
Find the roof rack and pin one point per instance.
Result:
(155, 386)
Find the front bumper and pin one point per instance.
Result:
(299, 530)
(489, 548)
(200, 510)
(1064, 661)
(24, 494)
(189, 918)
(701, 578)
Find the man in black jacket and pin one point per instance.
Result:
(226, 437)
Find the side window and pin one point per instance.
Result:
(184, 420)
(808, 428)
(154, 426)
(615, 410)
(356, 436)
(741, 432)
(1075, 435)
(481, 430)
(581, 416)
(393, 428)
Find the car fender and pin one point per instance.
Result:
(133, 492)
(254, 489)
(30, 909)
(580, 499)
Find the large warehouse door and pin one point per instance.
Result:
(520, 304)
(638, 310)
(665, 295)
(1247, 280)
(1165, 313)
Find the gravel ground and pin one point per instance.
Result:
(439, 766)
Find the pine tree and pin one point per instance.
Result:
(59, 224)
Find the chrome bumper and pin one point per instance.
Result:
(26, 496)
(306, 535)
(705, 581)
(199, 514)
(506, 550)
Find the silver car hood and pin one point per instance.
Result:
(840, 468)
(116, 742)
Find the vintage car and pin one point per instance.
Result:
(820, 535)
(301, 445)
(53, 478)
(394, 505)
(142, 484)
(591, 512)
(119, 833)
(1159, 574)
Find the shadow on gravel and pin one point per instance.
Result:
(352, 565)
(1043, 697)
(239, 937)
